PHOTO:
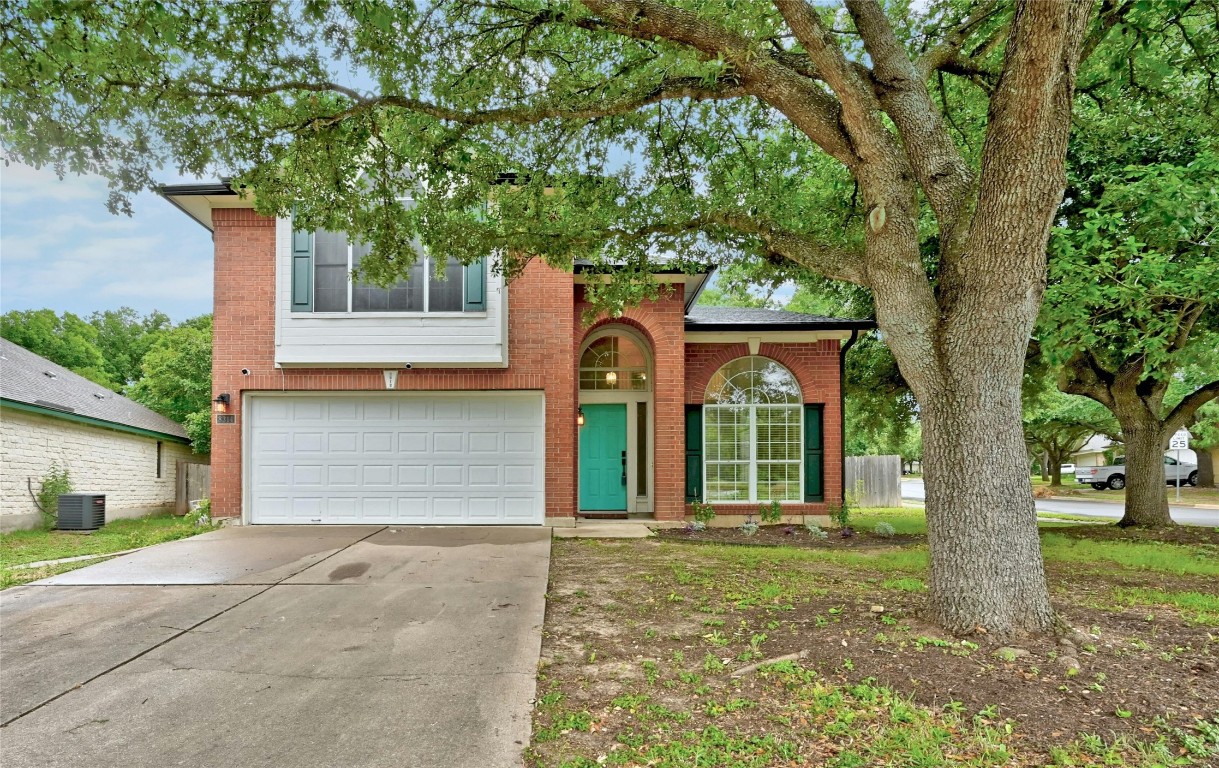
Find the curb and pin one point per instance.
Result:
(1171, 502)
(78, 558)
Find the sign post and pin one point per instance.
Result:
(1179, 442)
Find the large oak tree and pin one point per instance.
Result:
(713, 129)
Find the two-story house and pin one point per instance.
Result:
(468, 400)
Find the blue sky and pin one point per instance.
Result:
(61, 249)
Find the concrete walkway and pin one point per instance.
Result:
(284, 646)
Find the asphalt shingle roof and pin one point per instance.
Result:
(27, 378)
(701, 318)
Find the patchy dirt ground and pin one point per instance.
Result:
(642, 638)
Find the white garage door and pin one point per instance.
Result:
(444, 458)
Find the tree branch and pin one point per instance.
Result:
(667, 90)
(902, 89)
(812, 110)
(860, 107)
(834, 263)
(1185, 410)
(949, 51)
(1082, 375)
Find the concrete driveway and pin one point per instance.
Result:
(285, 646)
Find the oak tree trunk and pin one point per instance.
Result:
(1146, 487)
(1045, 466)
(986, 565)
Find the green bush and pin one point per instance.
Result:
(201, 515)
(703, 513)
(770, 513)
(56, 481)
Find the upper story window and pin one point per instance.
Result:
(323, 265)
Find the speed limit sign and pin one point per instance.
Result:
(1179, 441)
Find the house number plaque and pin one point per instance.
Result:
(226, 418)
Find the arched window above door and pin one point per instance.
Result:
(614, 361)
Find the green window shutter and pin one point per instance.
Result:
(814, 453)
(476, 286)
(302, 271)
(694, 453)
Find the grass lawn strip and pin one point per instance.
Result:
(22, 547)
(641, 639)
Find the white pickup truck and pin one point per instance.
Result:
(1114, 475)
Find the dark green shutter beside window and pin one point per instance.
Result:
(476, 286)
(694, 453)
(302, 271)
(814, 454)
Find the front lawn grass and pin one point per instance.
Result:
(20, 547)
(642, 639)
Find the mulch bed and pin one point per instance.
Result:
(1180, 534)
(787, 536)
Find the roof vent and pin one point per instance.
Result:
(99, 395)
(55, 406)
(49, 375)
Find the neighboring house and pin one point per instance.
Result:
(473, 401)
(1095, 452)
(50, 416)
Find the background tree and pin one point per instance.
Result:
(1132, 305)
(177, 379)
(1204, 435)
(1057, 425)
(707, 129)
(124, 337)
(64, 339)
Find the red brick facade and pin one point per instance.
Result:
(545, 334)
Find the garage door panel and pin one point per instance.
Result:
(445, 458)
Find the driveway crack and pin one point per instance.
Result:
(180, 633)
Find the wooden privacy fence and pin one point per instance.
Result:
(876, 481)
(194, 483)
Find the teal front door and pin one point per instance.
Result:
(603, 458)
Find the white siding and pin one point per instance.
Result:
(376, 339)
(119, 464)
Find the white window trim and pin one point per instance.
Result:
(753, 443)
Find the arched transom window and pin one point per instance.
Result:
(614, 361)
(753, 432)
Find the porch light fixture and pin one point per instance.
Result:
(579, 417)
(391, 378)
(222, 402)
(611, 378)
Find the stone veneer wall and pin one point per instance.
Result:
(119, 464)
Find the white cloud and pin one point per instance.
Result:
(20, 183)
(60, 248)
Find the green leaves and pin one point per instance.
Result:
(1135, 277)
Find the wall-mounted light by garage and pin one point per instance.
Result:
(222, 401)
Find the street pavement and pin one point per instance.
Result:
(913, 490)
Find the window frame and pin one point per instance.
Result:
(424, 258)
(751, 409)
